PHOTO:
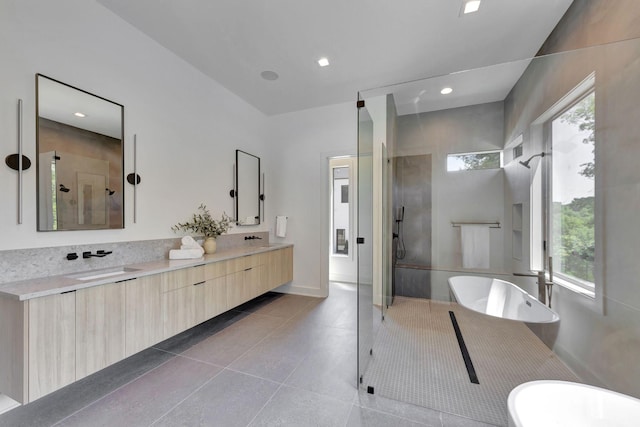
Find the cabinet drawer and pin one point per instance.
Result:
(215, 270)
(210, 299)
(243, 263)
(173, 280)
(244, 285)
(178, 310)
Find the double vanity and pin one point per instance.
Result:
(60, 329)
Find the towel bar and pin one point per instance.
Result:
(491, 224)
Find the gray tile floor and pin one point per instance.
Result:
(279, 360)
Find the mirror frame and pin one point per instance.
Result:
(121, 153)
(237, 192)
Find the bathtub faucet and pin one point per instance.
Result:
(542, 285)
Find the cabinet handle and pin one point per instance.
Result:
(247, 269)
(199, 283)
(66, 292)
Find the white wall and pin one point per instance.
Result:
(188, 126)
(300, 145)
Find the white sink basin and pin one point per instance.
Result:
(100, 274)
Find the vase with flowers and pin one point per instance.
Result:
(202, 222)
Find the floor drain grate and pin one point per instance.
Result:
(463, 349)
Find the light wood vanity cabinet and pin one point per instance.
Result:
(287, 265)
(245, 279)
(179, 299)
(52, 343)
(49, 342)
(100, 327)
(211, 296)
(143, 313)
(280, 268)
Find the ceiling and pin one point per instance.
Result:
(369, 43)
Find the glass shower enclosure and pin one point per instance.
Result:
(489, 152)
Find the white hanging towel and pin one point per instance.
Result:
(281, 226)
(475, 246)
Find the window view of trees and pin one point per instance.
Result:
(473, 161)
(573, 213)
(574, 242)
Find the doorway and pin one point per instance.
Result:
(342, 219)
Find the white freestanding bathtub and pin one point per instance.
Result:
(499, 299)
(565, 404)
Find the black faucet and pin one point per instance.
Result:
(98, 254)
(252, 238)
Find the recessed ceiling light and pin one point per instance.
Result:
(446, 90)
(470, 6)
(79, 114)
(323, 62)
(269, 75)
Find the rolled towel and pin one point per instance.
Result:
(189, 242)
(185, 253)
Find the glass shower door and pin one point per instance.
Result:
(365, 240)
(387, 233)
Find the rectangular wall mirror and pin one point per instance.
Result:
(247, 191)
(80, 158)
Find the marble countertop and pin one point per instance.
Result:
(34, 288)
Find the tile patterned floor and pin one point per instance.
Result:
(279, 360)
(417, 359)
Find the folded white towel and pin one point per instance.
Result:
(189, 242)
(185, 253)
(191, 248)
(281, 226)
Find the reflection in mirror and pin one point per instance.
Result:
(79, 159)
(247, 188)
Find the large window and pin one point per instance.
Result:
(572, 204)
